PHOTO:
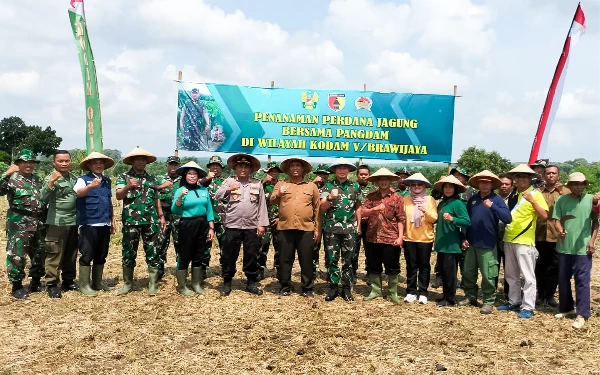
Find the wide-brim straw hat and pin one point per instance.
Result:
(577, 177)
(439, 186)
(417, 177)
(485, 176)
(108, 162)
(342, 162)
(285, 165)
(383, 172)
(138, 151)
(522, 168)
(233, 161)
(191, 165)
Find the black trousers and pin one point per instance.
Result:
(546, 270)
(93, 244)
(193, 232)
(448, 266)
(290, 241)
(378, 253)
(234, 238)
(417, 255)
(362, 238)
(502, 260)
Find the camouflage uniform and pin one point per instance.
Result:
(363, 191)
(166, 198)
(24, 225)
(270, 232)
(140, 219)
(219, 218)
(321, 168)
(194, 126)
(339, 231)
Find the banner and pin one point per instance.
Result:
(323, 123)
(93, 121)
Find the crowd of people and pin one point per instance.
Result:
(543, 233)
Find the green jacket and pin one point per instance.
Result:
(61, 200)
(448, 237)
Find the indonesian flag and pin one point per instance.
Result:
(538, 150)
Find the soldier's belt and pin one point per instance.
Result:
(17, 211)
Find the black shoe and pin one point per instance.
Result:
(254, 289)
(444, 303)
(437, 282)
(333, 294)
(347, 295)
(284, 292)
(308, 294)
(35, 286)
(18, 291)
(552, 302)
(261, 275)
(69, 285)
(226, 289)
(54, 291)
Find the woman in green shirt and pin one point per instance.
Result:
(452, 216)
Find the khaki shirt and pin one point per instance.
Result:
(298, 206)
(545, 229)
(246, 207)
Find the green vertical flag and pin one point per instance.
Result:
(93, 121)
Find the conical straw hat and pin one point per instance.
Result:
(138, 151)
(485, 175)
(342, 162)
(191, 165)
(108, 162)
(285, 165)
(438, 186)
(417, 177)
(383, 172)
(523, 168)
(244, 158)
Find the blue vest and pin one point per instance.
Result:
(96, 207)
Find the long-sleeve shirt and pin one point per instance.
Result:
(26, 208)
(484, 232)
(195, 203)
(382, 226)
(424, 233)
(61, 200)
(545, 229)
(246, 207)
(298, 206)
(448, 237)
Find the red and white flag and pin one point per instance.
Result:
(538, 150)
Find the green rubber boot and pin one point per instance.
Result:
(84, 281)
(152, 281)
(375, 279)
(97, 284)
(393, 287)
(197, 280)
(127, 280)
(181, 280)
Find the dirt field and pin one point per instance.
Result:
(245, 334)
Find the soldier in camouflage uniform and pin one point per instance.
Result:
(340, 200)
(364, 187)
(212, 182)
(194, 123)
(168, 184)
(322, 175)
(402, 189)
(142, 217)
(24, 224)
(272, 170)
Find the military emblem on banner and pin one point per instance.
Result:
(337, 102)
(310, 99)
(363, 103)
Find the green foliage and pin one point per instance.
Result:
(475, 160)
(16, 135)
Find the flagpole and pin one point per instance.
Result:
(179, 78)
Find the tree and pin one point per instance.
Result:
(15, 135)
(12, 132)
(40, 141)
(475, 160)
(113, 154)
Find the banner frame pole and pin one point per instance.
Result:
(455, 96)
(269, 156)
(360, 160)
(179, 78)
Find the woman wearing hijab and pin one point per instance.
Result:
(196, 227)
(421, 214)
(452, 216)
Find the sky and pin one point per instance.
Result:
(500, 53)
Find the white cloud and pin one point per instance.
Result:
(134, 60)
(580, 104)
(496, 121)
(18, 83)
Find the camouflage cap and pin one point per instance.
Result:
(402, 170)
(173, 160)
(272, 165)
(461, 171)
(322, 168)
(215, 159)
(26, 155)
(195, 91)
(539, 163)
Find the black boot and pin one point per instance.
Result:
(347, 294)
(161, 271)
(35, 286)
(226, 288)
(252, 287)
(69, 285)
(332, 294)
(261, 275)
(18, 291)
(54, 291)
(437, 282)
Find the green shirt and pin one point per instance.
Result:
(272, 209)
(576, 217)
(61, 200)
(218, 206)
(340, 218)
(364, 190)
(26, 208)
(139, 207)
(447, 234)
(166, 195)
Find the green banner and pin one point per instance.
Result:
(93, 121)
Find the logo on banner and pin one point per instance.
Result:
(337, 102)
(363, 103)
(310, 99)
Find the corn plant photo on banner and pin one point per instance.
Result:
(314, 123)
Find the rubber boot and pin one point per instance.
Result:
(181, 280)
(393, 288)
(202, 274)
(197, 280)
(84, 281)
(97, 284)
(375, 279)
(152, 281)
(127, 280)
